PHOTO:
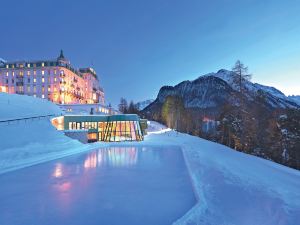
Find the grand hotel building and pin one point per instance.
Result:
(55, 80)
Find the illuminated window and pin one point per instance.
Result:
(21, 73)
(13, 66)
(43, 72)
(7, 74)
(43, 64)
(34, 72)
(55, 79)
(43, 96)
(34, 89)
(6, 66)
(28, 72)
(13, 73)
(43, 89)
(49, 88)
(34, 80)
(43, 80)
(55, 72)
(28, 65)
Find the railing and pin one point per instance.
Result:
(26, 118)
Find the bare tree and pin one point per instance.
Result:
(241, 74)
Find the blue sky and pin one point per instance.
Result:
(138, 46)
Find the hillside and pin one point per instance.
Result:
(25, 143)
(251, 121)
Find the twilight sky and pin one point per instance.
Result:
(136, 46)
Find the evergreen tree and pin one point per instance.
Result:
(123, 106)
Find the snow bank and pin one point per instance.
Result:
(29, 142)
(15, 106)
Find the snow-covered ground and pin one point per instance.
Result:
(231, 187)
(29, 142)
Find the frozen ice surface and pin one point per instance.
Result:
(116, 185)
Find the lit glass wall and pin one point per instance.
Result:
(112, 131)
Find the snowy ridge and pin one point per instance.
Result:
(216, 89)
(15, 106)
(26, 143)
(295, 98)
(143, 104)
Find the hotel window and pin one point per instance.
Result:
(28, 80)
(28, 65)
(28, 88)
(43, 89)
(21, 73)
(13, 81)
(12, 66)
(34, 89)
(55, 72)
(43, 80)
(13, 73)
(43, 72)
(28, 72)
(34, 80)
(6, 66)
(43, 96)
(55, 89)
(34, 72)
(43, 64)
(49, 88)
(55, 79)
(7, 74)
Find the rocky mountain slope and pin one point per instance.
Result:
(213, 107)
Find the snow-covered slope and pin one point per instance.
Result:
(233, 187)
(295, 98)
(143, 104)
(25, 143)
(274, 94)
(15, 106)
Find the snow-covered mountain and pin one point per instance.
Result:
(2, 60)
(215, 89)
(246, 120)
(143, 104)
(294, 98)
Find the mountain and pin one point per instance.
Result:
(213, 107)
(294, 98)
(143, 104)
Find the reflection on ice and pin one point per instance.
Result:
(114, 185)
(113, 157)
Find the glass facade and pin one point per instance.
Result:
(107, 128)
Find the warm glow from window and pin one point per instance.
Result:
(43, 96)
(43, 80)
(28, 65)
(43, 64)
(28, 73)
(43, 72)
(34, 80)
(34, 72)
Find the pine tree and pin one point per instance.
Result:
(123, 106)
